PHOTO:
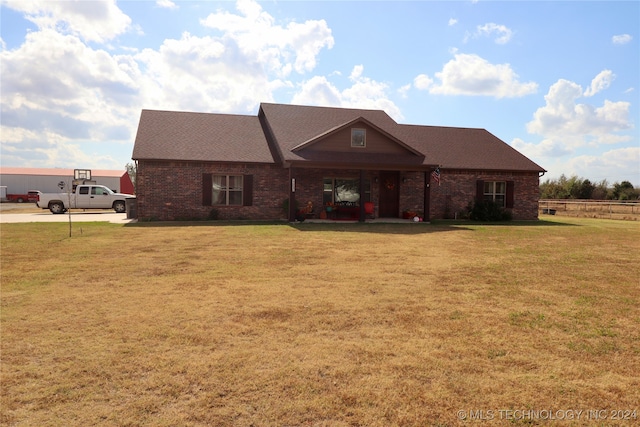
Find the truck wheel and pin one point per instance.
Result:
(56, 207)
(20, 200)
(119, 206)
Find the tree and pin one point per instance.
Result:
(601, 190)
(624, 191)
(578, 188)
(132, 170)
(586, 190)
(573, 186)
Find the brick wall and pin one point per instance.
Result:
(173, 190)
(457, 190)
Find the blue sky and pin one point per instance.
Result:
(559, 81)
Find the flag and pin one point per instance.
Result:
(436, 175)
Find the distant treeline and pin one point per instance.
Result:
(579, 188)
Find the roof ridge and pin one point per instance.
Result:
(327, 107)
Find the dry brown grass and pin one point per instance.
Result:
(318, 325)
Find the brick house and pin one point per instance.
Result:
(355, 164)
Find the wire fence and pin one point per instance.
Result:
(612, 209)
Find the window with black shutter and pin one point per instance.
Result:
(499, 192)
(227, 190)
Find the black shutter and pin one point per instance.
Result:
(247, 190)
(479, 191)
(509, 201)
(207, 189)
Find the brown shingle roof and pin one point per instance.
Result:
(465, 148)
(170, 135)
(453, 148)
(293, 125)
(233, 138)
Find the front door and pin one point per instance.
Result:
(389, 205)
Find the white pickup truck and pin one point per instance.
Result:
(84, 197)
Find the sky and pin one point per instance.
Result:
(558, 81)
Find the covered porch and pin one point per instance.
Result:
(357, 194)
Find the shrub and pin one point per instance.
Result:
(214, 214)
(285, 207)
(488, 210)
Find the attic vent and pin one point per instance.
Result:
(358, 138)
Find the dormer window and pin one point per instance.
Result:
(358, 138)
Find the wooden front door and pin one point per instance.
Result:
(389, 205)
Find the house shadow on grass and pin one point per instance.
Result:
(407, 227)
(394, 227)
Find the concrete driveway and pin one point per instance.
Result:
(23, 212)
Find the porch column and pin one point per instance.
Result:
(361, 216)
(427, 197)
(292, 195)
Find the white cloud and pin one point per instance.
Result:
(600, 82)
(452, 21)
(621, 39)
(422, 82)
(363, 93)
(68, 86)
(404, 90)
(202, 74)
(468, 74)
(318, 91)
(571, 128)
(60, 95)
(96, 21)
(166, 4)
(615, 165)
(578, 124)
(503, 34)
(545, 149)
(256, 35)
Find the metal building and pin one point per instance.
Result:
(21, 180)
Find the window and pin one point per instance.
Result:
(344, 191)
(84, 190)
(226, 190)
(495, 191)
(358, 138)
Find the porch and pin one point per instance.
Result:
(325, 194)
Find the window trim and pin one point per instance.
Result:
(207, 190)
(227, 190)
(355, 132)
(492, 194)
(509, 196)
